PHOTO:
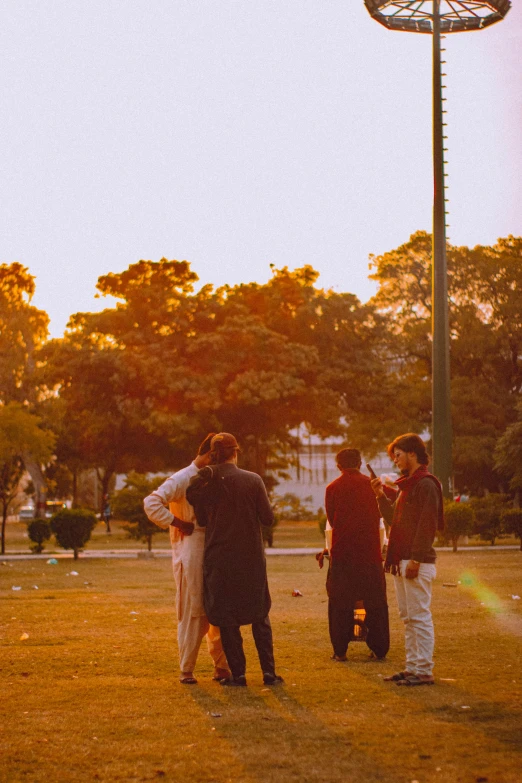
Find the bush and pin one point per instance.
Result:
(458, 521)
(39, 531)
(291, 508)
(72, 528)
(512, 522)
(488, 516)
(127, 505)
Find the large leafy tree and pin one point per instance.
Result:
(147, 378)
(21, 437)
(486, 344)
(23, 330)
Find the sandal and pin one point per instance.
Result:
(188, 681)
(399, 677)
(339, 658)
(221, 674)
(412, 679)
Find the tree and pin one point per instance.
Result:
(127, 505)
(458, 521)
(508, 453)
(20, 435)
(486, 345)
(23, 330)
(39, 531)
(512, 522)
(72, 528)
(257, 360)
(488, 512)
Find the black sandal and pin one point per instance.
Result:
(399, 677)
(414, 680)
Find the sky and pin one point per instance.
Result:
(238, 134)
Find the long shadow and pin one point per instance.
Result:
(452, 704)
(276, 738)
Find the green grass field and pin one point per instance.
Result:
(92, 693)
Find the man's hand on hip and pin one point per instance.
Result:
(412, 569)
(187, 528)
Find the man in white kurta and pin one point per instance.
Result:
(161, 507)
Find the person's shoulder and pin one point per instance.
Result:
(335, 483)
(183, 475)
(429, 485)
(249, 475)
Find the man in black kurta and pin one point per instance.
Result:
(233, 506)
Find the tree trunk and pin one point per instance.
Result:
(105, 479)
(75, 489)
(76, 554)
(149, 543)
(4, 520)
(455, 542)
(40, 485)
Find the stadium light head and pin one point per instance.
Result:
(456, 16)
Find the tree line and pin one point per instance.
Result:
(133, 387)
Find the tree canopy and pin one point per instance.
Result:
(137, 385)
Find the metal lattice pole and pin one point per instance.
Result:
(436, 17)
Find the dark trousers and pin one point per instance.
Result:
(232, 642)
(346, 585)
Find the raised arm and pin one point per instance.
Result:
(171, 491)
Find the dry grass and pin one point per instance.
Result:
(92, 694)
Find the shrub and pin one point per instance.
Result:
(127, 505)
(291, 508)
(488, 516)
(39, 531)
(512, 522)
(458, 521)
(72, 528)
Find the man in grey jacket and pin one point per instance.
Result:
(415, 515)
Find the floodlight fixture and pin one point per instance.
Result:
(455, 16)
(438, 18)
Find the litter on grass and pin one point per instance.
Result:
(52, 561)
(24, 636)
(15, 587)
(296, 593)
(515, 597)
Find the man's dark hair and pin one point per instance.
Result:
(407, 443)
(205, 446)
(349, 458)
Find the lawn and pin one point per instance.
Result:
(92, 693)
(287, 534)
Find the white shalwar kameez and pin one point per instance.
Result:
(187, 563)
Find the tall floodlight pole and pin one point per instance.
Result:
(437, 18)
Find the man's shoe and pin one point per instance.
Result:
(234, 682)
(272, 679)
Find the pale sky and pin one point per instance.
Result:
(237, 134)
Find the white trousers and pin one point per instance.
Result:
(192, 629)
(414, 600)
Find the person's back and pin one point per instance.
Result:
(356, 571)
(354, 515)
(232, 504)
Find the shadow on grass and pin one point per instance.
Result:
(300, 746)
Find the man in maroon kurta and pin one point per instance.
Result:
(356, 571)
